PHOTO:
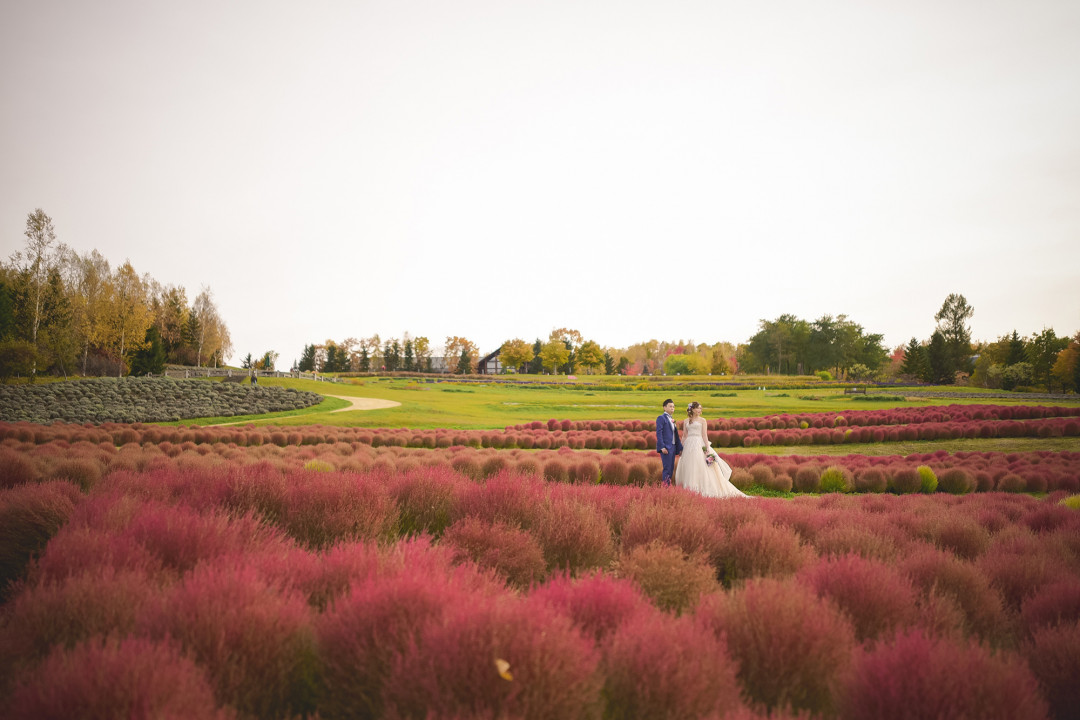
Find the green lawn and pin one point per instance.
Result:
(1001, 445)
(480, 406)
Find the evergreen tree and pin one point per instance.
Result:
(150, 360)
(1042, 352)
(409, 360)
(609, 363)
(7, 311)
(307, 359)
(391, 355)
(937, 360)
(191, 330)
(571, 359)
(365, 360)
(1016, 351)
(1076, 375)
(536, 365)
(246, 363)
(914, 360)
(464, 366)
(952, 321)
(331, 362)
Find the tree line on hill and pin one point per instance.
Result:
(64, 313)
(1041, 360)
(831, 346)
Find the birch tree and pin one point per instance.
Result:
(129, 315)
(42, 255)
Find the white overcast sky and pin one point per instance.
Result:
(635, 170)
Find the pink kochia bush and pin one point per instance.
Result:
(658, 666)
(452, 668)
(875, 597)
(918, 676)
(134, 677)
(792, 648)
(257, 640)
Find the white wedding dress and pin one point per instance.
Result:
(693, 473)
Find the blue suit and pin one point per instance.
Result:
(667, 436)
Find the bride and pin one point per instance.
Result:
(709, 477)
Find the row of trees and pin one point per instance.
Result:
(790, 345)
(63, 313)
(373, 354)
(787, 345)
(949, 356)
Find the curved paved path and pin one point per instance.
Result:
(355, 403)
(359, 403)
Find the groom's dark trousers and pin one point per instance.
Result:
(667, 437)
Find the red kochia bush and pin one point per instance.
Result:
(679, 519)
(83, 472)
(1051, 605)
(875, 597)
(596, 603)
(1053, 654)
(760, 549)
(905, 480)
(29, 516)
(956, 481)
(808, 479)
(16, 469)
(613, 471)
(98, 602)
(792, 647)
(322, 508)
(362, 631)
(575, 536)
(673, 579)
(1015, 575)
(509, 497)
(509, 551)
(920, 677)
(657, 666)
(934, 571)
(426, 498)
(256, 640)
(134, 678)
(451, 670)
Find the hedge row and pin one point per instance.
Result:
(85, 462)
(890, 416)
(537, 438)
(143, 399)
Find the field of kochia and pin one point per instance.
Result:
(261, 572)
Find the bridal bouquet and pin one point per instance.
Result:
(710, 455)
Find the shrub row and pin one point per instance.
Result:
(890, 416)
(143, 399)
(84, 463)
(533, 438)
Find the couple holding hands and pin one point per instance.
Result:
(701, 470)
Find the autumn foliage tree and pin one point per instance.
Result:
(515, 353)
(590, 355)
(554, 353)
(78, 312)
(456, 345)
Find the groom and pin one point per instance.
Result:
(668, 444)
